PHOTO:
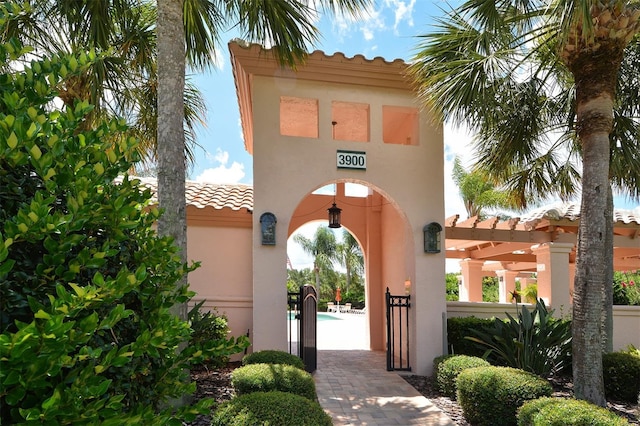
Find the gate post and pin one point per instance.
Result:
(308, 327)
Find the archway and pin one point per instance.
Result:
(332, 261)
(382, 231)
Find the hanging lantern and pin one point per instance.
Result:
(334, 216)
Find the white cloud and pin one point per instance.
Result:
(403, 12)
(373, 22)
(222, 173)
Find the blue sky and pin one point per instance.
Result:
(388, 30)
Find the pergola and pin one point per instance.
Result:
(543, 243)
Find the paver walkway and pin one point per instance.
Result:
(355, 389)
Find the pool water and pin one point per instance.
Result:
(321, 316)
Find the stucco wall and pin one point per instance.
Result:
(224, 278)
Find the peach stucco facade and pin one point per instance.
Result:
(356, 104)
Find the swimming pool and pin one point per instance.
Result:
(320, 316)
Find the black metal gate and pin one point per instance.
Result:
(303, 306)
(397, 332)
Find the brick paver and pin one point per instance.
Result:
(355, 389)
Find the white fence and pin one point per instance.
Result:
(626, 319)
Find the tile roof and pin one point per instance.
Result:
(202, 194)
(571, 212)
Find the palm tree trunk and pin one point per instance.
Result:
(171, 141)
(594, 123)
(607, 291)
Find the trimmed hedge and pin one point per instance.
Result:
(270, 408)
(448, 368)
(459, 328)
(271, 356)
(621, 371)
(491, 396)
(272, 377)
(566, 412)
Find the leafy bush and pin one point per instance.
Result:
(490, 289)
(86, 286)
(270, 408)
(626, 288)
(208, 326)
(535, 342)
(621, 371)
(270, 356)
(459, 328)
(269, 377)
(452, 287)
(448, 369)
(566, 412)
(491, 396)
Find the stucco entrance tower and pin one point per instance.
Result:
(336, 120)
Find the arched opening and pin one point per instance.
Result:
(332, 260)
(380, 229)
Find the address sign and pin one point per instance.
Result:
(352, 160)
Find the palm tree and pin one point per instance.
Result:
(537, 81)
(477, 191)
(350, 256)
(122, 81)
(322, 247)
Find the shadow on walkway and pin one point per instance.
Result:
(355, 389)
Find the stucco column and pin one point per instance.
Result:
(572, 276)
(506, 284)
(471, 288)
(375, 288)
(553, 273)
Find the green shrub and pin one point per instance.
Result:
(621, 371)
(491, 396)
(270, 356)
(566, 412)
(452, 287)
(626, 288)
(207, 327)
(490, 292)
(459, 328)
(270, 408)
(534, 342)
(449, 368)
(86, 285)
(269, 377)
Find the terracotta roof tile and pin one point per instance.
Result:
(218, 196)
(571, 212)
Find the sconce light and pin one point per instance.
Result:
(432, 237)
(268, 229)
(334, 216)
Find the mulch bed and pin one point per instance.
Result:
(216, 384)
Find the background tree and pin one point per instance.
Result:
(323, 249)
(350, 257)
(521, 73)
(478, 192)
(297, 278)
(122, 79)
